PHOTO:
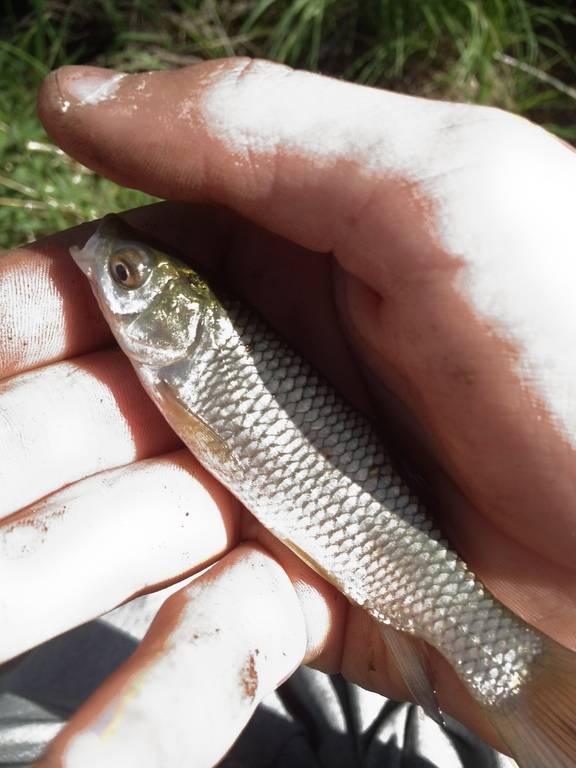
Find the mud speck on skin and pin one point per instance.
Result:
(39, 518)
(249, 677)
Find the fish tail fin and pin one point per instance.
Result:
(538, 723)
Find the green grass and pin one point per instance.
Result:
(516, 54)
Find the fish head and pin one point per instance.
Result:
(155, 304)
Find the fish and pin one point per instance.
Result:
(317, 474)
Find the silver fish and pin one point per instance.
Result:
(314, 472)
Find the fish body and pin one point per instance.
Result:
(315, 473)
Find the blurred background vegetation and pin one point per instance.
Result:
(515, 54)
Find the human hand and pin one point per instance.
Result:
(431, 237)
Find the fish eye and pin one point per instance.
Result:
(130, 266)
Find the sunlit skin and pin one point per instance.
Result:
(350, 261)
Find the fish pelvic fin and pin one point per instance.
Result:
(538, 723)
(206, 444)
(411, 658)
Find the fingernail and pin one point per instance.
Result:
(82, 86)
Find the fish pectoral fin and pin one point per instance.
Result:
(411, 659)
(204, 442)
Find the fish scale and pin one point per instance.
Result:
(313, 467)
(314, 472)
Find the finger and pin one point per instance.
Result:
(66, 421)
(39, 321)
(86, 549)
(213, 652)
(342, 637)
(265, 140)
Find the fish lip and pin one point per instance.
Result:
(81, 259)
(108, 227)
(84, 257)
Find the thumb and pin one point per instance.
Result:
(295, 152)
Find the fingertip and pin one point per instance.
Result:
(215, 649)
(67, 90)
(77, 105)
(74, 85)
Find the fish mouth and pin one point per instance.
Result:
(84, 257)
(109, 228)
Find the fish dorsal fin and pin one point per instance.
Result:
(206, 444)
(411, 659)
